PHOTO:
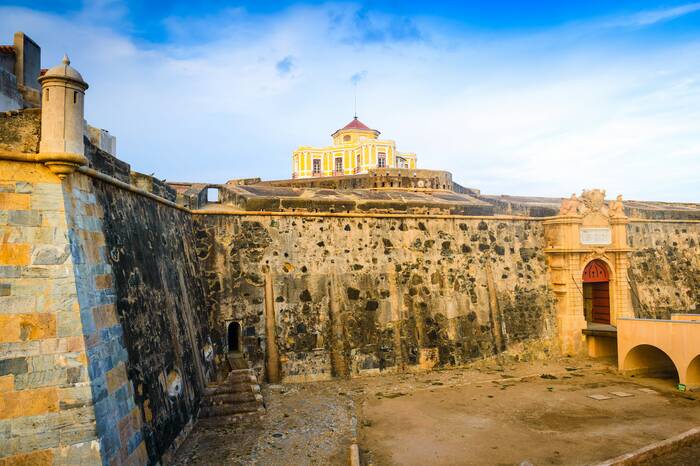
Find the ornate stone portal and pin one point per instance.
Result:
(585, 230)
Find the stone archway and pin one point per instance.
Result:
(649, 360)
(588, 230)
(596, 292)
(693, 372)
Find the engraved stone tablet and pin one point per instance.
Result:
(596, 236)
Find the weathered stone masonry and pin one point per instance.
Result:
(364, 295)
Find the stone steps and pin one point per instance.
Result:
(235, 399)
(241, 418)
(229, 398)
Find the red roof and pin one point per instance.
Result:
(357, 124)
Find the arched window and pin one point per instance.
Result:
(381, 160)
(346, 138)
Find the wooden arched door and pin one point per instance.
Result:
(596, 292)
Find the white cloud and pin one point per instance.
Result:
(527, 114)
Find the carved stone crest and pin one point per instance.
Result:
(592, 201)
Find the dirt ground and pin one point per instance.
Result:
(536, 414)
(492, 413)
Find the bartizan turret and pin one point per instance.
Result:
(62, 118)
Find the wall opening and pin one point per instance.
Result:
(234, 337)
(596, 292)
(213, 195)
(693, 373)
(650, 360)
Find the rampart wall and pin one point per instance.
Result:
(664, 267)
(362, 295)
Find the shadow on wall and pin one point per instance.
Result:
(650, 360)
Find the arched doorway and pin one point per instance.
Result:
(596, 292)
(234, 337)
(649, 360)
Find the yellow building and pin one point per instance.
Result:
(356, 149)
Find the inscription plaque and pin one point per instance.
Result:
(596, 236)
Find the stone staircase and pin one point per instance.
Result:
(234, 399)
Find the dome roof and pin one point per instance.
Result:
(356, 125)
(65, 71)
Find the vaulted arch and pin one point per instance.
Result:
(649, 360)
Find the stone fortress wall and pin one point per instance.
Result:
(104, 348)
(115, 298)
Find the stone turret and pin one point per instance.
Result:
(62, 118)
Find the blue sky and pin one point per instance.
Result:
(538, 98)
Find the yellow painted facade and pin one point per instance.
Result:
(355, 149)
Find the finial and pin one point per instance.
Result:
(66, 60)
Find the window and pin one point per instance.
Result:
(338, 165)
(381, 160)
(75, 97)
(401, 162)
(346, 138)
(213, 195)
(47, 94)
(316, 167)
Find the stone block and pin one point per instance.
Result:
(41, 363)
(28, 403)
(69, 324)
(116, 377)
(34, 458)
(24, 187)
(77, 434)
(20, 349)
(5, 429)
(9, 328)
(53, 219)
(24, 327)
(103, 281)
(75, 397)
(27, 218)
(41, 379)
(29, 425)
(87, 453)
(10, 271)
(14, 366)
(62, 345)
(47, 254)
(47, 271)
(17, 304)
(48, 197)
(105, 316)
(83, 416)
(5, 289)
(38, 441)
(14, 254)
(7, 383)
(7, 187)
(15, 201)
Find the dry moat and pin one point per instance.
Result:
(492, 412)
